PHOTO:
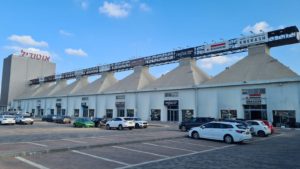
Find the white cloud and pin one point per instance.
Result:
(65, 33)
(144, 7)
(256, 28)
(208, 63)
(75, 52)
(84, 5)
(13, 48)
(27, 40)
(115, 10)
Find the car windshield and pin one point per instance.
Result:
(26, 116)
(8, 116)
(128, 118)
(86, 120)
(138, 119)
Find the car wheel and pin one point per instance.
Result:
(137, 125)
(107, 127)
(31, 123)
(228, 139)
(120, 127)
(130, 128)
(183, 128)
(195, 135)
(261, 133)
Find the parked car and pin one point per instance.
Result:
(21, 119)
(260, 129)
(63, 119)
(241, 122)
(120, 123)
(229, 132)
(138, 122)
(99, 121)
(270, 125)
(83, 122)
(49, 118)
(7, 119)
(194, 122)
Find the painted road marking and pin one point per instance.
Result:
(169, 147)
(31, 163)
(145, 152)
(75, 141)
(164, 159)
(102, 158)
(190, 143)
(37, 144)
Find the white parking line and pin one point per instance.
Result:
(191, 143)
(31, 163)
(102, 158)
(37, 144)
(75, 141)
(145, 152)
(169, 147)
(159, 160)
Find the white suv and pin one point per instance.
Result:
(260, 129)
(20, 119)
(228, 132)
(7, 119)
(139, 123)
(119, 123)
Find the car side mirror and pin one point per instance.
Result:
(203, 127)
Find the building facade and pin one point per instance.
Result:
(256, 87)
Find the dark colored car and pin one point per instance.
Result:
(49, 118)
(194, 122)
(83, 122)
(63, 119)
(99, 121)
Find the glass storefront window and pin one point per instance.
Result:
(109, 113)
(130, 113)
(187, 114)
(76, 112)
(155, 114)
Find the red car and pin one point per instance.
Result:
(269, 124)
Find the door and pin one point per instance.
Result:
(206, 132)
(172, 115)
(85, 111)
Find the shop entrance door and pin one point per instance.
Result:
(173, 115)
(255, 112)
(85, 111)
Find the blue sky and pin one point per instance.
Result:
(85, 33)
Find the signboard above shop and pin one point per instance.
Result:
(35, 55)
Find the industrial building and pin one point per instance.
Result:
(256, 87)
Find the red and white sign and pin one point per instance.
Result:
(35, 55)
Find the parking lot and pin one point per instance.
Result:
(154, 147)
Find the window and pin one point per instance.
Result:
(226, 126)
(228, 114)
(63, 112)
(187, 114)
(155, 114)
(209, 125)
(91, 112)
(52, 111)
(76, 112)
(109, 113)
(130, 112)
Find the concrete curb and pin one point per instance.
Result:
(80, 147)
